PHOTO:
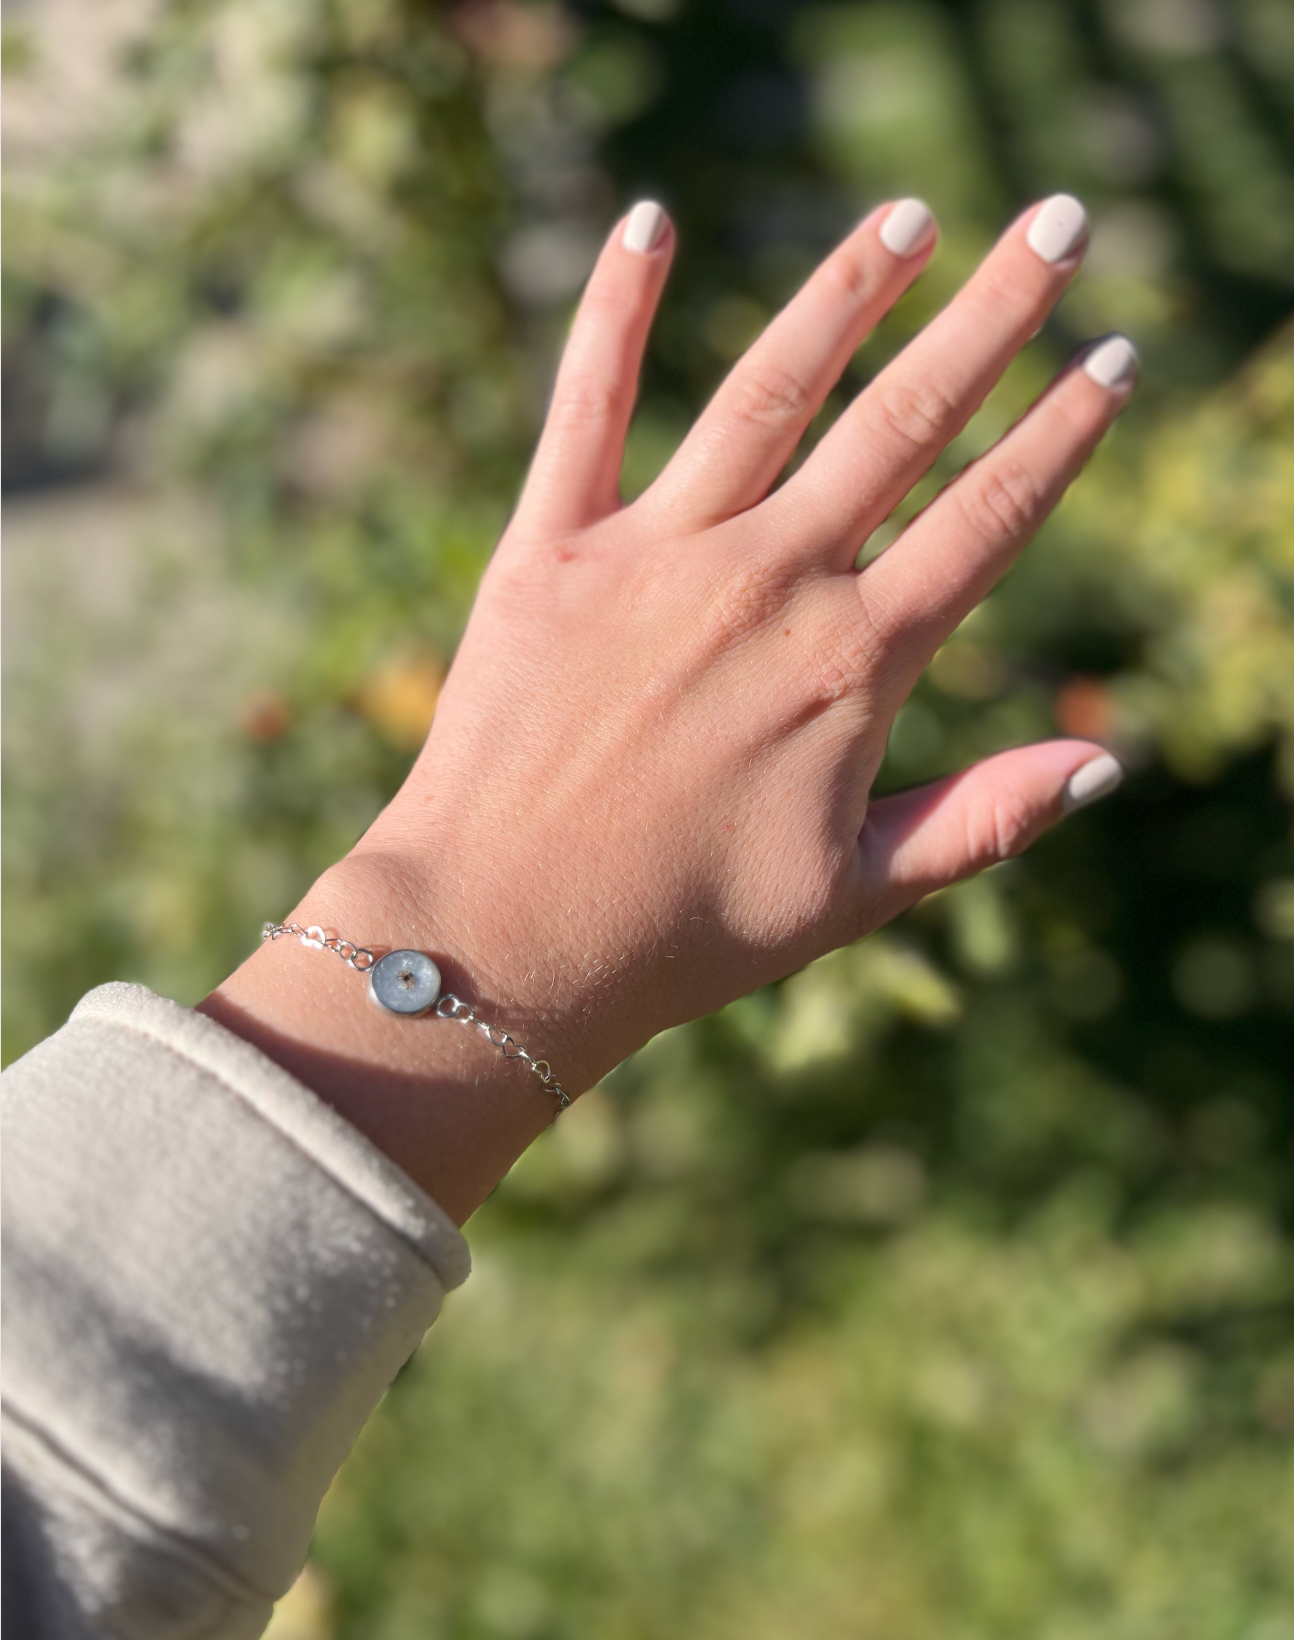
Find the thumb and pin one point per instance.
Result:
(935, 835)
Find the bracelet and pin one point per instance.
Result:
(408, 983)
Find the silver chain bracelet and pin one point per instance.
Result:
(408, 983)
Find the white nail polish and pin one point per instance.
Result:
(908, 228)
(1058, 229)
(644, 227)
(1094, 780)
(1112, 363)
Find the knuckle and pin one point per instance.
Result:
(997, 288)
(769, 396)
(1077, 424)
(998, 830)
(845, 656)
(834, 673)
(880, 620)
(584, 401)
(1006, 500)
(604, 299)
(878, 623)
(749, 601)
(740, 601)
(846, 278)
(920, 414)
(1002, 290)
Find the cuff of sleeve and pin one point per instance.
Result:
(316, 1130)
(210, 1280)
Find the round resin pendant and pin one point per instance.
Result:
(406, 982)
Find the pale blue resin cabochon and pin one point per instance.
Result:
(406, 982)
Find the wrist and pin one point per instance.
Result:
(510, 961)
(441, 1101)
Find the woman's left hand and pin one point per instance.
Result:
(647, 787)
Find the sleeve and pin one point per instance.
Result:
(210, 1278)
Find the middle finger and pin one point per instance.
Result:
(898, 426)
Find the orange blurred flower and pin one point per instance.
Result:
(399, 699)
(264, 717)
(1084, 708)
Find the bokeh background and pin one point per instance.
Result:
(946, 1289)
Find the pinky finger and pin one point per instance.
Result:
(935, 835)
(575, 476)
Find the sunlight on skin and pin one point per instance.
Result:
(646, 788)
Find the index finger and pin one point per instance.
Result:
(574, 477)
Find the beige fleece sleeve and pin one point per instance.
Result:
(209, 1280)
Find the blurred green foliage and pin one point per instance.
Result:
(944, 1289)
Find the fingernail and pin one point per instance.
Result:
(908, 228)
(645, 225)
(1093, 781)
(1112, 363)
(1058, 229)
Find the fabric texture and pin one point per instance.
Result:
(210, 1278)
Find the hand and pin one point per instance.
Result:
(647, 787)
(646, 790)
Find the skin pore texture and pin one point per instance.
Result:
(646, 788)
